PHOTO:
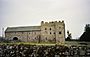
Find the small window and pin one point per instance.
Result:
(35, 38)
(50, 28)
(54, 33)
(46, 38)
(52, 22)
(59, 27)
(45, 28)
(60, 32)
(50, 32)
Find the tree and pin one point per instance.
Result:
(86, 35)
(87, 28)
(69, 36)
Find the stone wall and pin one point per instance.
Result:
(24, 36)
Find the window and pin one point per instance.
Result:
(35, 38)
(45, 28)
(59, 27)
(60, 32)
(50, 32)
(46, 38)
(52, 22)
(54, 33)
(50, 28)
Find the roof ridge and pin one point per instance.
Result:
(22, 26)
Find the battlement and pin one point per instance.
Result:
(42, 22)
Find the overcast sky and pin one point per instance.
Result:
(75, 13)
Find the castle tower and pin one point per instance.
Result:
(53, 31)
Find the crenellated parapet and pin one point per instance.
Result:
(53, 22)
(53, 31)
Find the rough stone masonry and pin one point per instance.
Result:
(47, 32)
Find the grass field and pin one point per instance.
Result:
(32, 43)
(67, 43)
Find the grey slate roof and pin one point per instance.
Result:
(24, 28)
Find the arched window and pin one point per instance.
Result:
(15, 38)
(50, 28)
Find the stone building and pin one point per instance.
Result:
(47, 32)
